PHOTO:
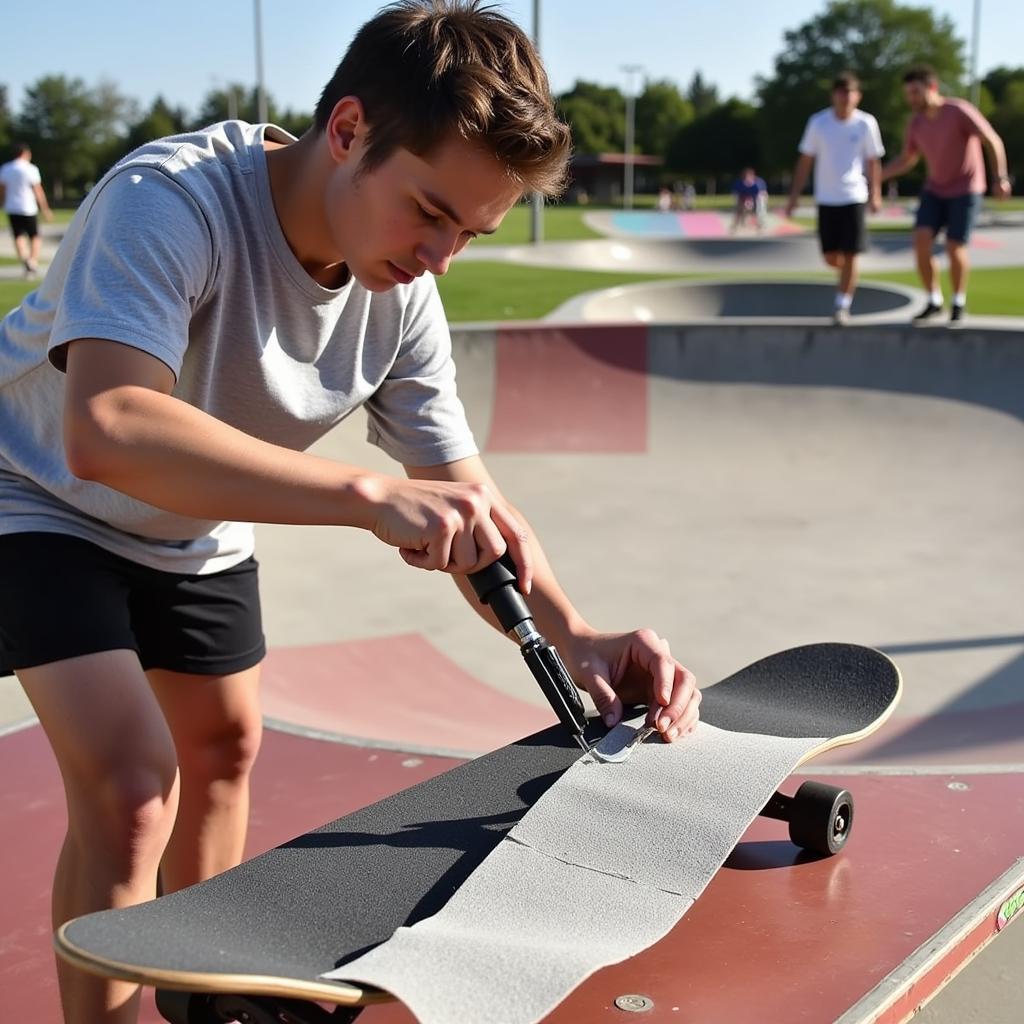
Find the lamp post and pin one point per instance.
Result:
(627, 149)
(536, 200)
(261, 92)
(975, 83)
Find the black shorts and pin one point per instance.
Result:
(62, 597)
(23, 224)
(957, 214)
(841, 228)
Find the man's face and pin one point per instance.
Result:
(845, 100)
(916, 94)
(411, 214)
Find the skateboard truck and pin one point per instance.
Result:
(496, 586)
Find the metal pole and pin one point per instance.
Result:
(627, 149)
(536, 200)
(261, 93)
(975, 81)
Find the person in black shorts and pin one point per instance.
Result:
(844, 147)
(21, 192)
(219, 302)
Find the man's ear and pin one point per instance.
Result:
(346, 129)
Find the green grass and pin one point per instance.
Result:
(561, 224)
(502, 291)
(12, 292)
(992, 291)
(498, 291)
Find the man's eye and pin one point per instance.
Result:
(427, 215)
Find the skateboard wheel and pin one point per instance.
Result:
(821, 818)
(182, 1007)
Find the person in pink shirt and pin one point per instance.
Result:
(949, 133)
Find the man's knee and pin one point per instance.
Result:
(222, 754)
(956, 249)
(128, 812)
(834, 259)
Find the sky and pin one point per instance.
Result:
(184, 49)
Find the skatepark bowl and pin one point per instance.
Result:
(761, 301)
(741, 488)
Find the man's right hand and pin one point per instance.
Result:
(790, 207)
(451, 526)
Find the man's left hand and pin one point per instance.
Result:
(636, 668)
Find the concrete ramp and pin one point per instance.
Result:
(698, 301)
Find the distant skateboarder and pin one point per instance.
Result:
(751, 194)
(844, 146)
(949, 133)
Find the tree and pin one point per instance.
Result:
(877, 40)
(1008, 121)
(5, 124)
(702, 95)
(161, 119)
(71, 129)
(597, 116)
(719, 143)
(661, 110)
(998, 79)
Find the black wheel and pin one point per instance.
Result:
(821, 818)
(184, 1007)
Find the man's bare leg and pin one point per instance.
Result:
(927, 267)
(848, 274)
(217, 726)
(118, 763)
(23, 248)
(959, 266)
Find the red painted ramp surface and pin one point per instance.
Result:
(400, 691)
(777, 936)
(781, 936)
(298, 784)
(576, 389)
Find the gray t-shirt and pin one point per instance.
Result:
(178, 252)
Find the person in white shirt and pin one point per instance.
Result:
(844, 146)
(21, 191)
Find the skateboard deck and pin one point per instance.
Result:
(273, 926)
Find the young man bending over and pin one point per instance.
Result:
(220, 301)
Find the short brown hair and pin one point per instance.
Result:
(923, 73)
(846, 80)
(427, 69)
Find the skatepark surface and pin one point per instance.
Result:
(729, 301)
(741, 487)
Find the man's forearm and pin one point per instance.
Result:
(167, 453)
(900, 165)
(800, 175)
(875, 178)
(997, 154)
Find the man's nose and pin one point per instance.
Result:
(436, 252)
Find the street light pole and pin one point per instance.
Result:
(975, 83)
(536, 200)
(628, 146)
(261, 92)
